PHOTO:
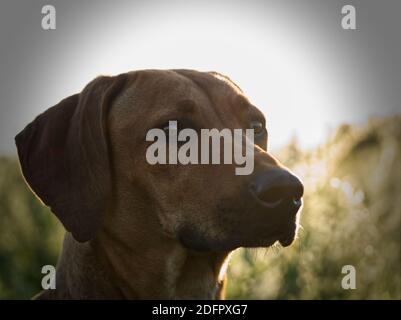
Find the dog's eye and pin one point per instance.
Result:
(171, 125)
(258, 128)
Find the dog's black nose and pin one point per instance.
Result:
(277, 186)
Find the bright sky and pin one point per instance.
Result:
(292, 60)
(288, 67)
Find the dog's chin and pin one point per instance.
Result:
(284, 240)
(193, 240)
(232, 244)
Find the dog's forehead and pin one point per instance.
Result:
(157, 95)
(149, 88)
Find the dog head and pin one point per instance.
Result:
(87, 156)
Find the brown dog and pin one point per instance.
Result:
(137, 230)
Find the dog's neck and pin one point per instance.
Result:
(163, 270)
(108, 267)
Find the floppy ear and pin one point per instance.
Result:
(64, 157)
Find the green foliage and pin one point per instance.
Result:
(351, 215)
(30, 236)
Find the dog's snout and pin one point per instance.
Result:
(275, 186)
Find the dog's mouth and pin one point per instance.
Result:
(289, 233)
(285, 214)
(191, 239)
(285, 239)
(249, 226)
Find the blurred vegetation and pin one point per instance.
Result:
(30, 235)
(351, 215)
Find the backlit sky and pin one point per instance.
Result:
(292, 58)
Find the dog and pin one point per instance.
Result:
(141, 231)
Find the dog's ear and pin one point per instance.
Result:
(65, 159)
